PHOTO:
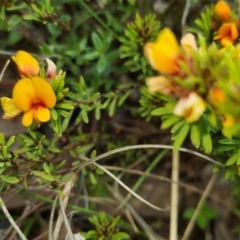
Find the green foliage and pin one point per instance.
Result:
(137, 34)
(206, 214)
(105, 229)
(88, 40)
(204, 24)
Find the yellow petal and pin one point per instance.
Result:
(228, 122)
(223, 11)
(27, 65)
(27, 118)
(159, 84)
(24, 94)
(44, 92)
(226, 41)
(10, 109)
(164, 53)
(43, 114)
(191, 107)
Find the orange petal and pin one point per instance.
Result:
(9, 107)
(163, 53)
(44, 92)
(234, 31)
(24, 94)
(223, 11)
(27, 118)
(43, 114)
(27, 65)
(217, 95)
(223, 31)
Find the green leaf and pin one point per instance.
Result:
(2, 139)
(180, 137)
(44, 176)
(161, 111)
(96, 41)
(5, 151)
(54, 114)
(65, 106)
(101, 64)
(9, 179)
(46, 168)
(92, 178)
(48, 5)
(53, 149)
(177, 126)
(112, 106)
(207, 143)
(11, 141)
(97, 113)
(122, 99)
(233, 159)
(85, 107)
(195, 135)
(121, 235)
(2, 14)
(91, 56)
(169, 122)
(84, 116)
(93, 154)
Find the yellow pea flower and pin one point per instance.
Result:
(27, 65)
(164, 54)
(34, 97)
(190, 107)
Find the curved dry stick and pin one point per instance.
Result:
(11, 220)
(4, 69)
(159, 146)
(66, 193)
(199, 206)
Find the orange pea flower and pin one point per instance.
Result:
(190, 107)
(164, 54)
(228, 33)
(34, 97)
(27, 65)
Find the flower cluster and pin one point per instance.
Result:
(196, 81)
(228, 32)
(167, 57)
(32, 95)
